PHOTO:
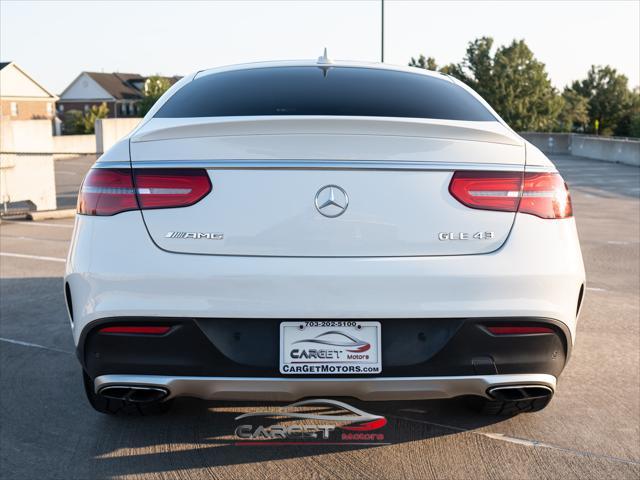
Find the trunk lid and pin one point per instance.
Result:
(280, 185)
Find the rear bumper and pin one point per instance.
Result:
(289, 389)
(114, 270)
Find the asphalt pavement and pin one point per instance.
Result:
(69, 173)
(590, 430)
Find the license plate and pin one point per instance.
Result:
(330, 347)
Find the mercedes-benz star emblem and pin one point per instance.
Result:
(331, 201)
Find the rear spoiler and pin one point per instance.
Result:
(177, 128)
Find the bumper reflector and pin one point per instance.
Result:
(156, 330)
(518, 330)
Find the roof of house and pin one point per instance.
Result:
(121, 86)
(118, 85)
(26, 75)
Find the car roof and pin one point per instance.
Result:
(327, 64)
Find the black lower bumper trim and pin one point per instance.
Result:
(249, 348)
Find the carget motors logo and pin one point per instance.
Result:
(346, 341)
(351, 426)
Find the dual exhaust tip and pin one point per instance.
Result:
(134, 394)
(511, 393)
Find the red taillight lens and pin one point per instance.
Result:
(518, 330)
(545, 195)
(168, 188)
(143, 330)
(110, 191)
(107, 192)
(542, 194)
(487, 190)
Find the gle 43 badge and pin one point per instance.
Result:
(466, 236)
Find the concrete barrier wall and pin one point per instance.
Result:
(30, 174)
(589, 146)
(27, 151)
(26, 136)
(559, 143)
(110, 130)
(35, 136)
(611, 150)
(28, 177)
(70, 144)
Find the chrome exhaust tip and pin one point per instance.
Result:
(134, 394)
(510, 393)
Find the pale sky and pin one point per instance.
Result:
(54, 41)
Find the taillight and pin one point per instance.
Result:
(545, 195)
(487, 190)
(110, 191)
(542, 194)
(107, 192)
(169, 188)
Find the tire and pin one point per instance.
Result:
(112, 406)
(486, 406)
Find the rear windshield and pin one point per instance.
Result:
(313, 90)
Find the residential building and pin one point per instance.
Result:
(120, 91)
(21, 97)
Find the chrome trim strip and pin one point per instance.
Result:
(541, 169)
(289, 389)
(111, 165)
(324, 165)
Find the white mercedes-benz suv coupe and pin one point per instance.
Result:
(274, 231)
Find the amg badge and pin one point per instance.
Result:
(195, 235)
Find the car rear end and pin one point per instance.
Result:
(270, 232)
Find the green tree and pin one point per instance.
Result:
(629, 124)
(476, 69)
(90, 117)
(154, 88)
(608, 96)
(521, 90)
(72, 122)
(456, 70)
(574, 115)
(512, 80)
(423, 62)
(76, 122)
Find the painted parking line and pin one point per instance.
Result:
(596, 289)
(39, 224)
(525, 442)
(35, 239)
(33, 345)
(33, 257)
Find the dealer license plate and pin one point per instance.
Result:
(330, 347)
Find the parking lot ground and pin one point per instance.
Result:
(591, 429)
(69, 173)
